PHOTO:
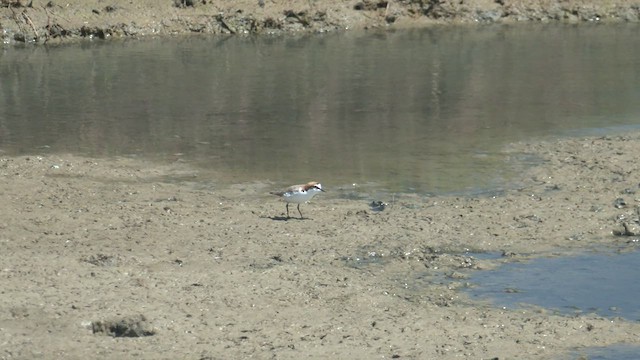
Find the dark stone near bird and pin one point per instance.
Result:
(619, 203)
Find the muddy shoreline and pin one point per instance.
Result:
(39, 21)
(106, 258)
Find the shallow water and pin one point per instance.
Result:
(604, 283)
(614, 352)
(423, 111)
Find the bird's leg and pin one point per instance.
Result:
(287, 210)
(301, 217)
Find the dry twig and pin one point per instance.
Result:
(27, 19)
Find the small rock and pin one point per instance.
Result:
(19, 37)
(457, 275)
(619, 203)
(378, 205)
(490, 15)
(631, 229)
(575, 237)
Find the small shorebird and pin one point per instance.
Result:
(299, 194)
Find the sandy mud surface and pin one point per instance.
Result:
(59, 21)
(119, 258)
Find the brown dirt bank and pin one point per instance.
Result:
(43, 21)
(119, 258)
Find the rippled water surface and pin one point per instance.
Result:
(421, 110)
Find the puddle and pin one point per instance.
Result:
(617, 352)
(602, 283)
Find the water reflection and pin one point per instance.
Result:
(424, 110)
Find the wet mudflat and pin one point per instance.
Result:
(107, 257)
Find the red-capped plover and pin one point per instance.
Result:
(299, 194)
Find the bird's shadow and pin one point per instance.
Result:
(284, 218)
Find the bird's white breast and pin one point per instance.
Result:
(299, 196)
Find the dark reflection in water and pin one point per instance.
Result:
(423, 110)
